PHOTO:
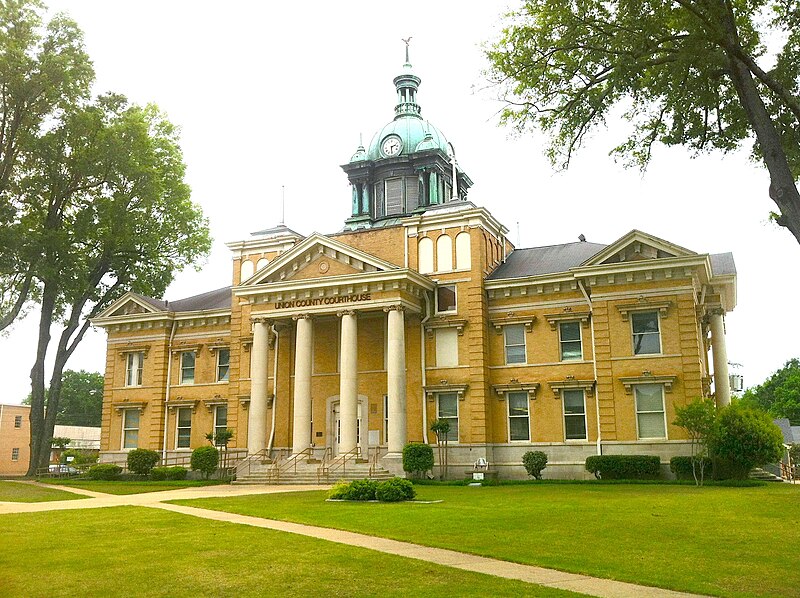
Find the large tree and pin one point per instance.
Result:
(706, 74)
(779, 395)
(81, 401)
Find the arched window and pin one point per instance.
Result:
(444, 253)
(425, 255)
(247, 270)
(262, 263)
(463, 260)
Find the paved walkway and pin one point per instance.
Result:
(584, 584)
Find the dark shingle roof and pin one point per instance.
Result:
(786, 429)
(159, 304)
(218, 299)
(722, 264)
(545, 260)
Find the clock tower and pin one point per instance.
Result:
(408, 166)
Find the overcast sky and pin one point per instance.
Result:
(276, 93)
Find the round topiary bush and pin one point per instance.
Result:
(104, 471)
(534, 462)
(417, 459)
(395, 490)
(361, 490)
(205, 459)
(142, 461)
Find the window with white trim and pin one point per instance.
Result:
(650, 417)
(646, 333)
(518, 416)
(447, 410)
(133, 369)
(17, 421)
(570, 341)
(220, 419)
(574, 414)
(514, 342)
(446, 298)
(130, 428)
(223, 364)
(188, 359)
(184, 428)
(15, 454)
(446, 347)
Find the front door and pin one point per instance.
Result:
(337, 428)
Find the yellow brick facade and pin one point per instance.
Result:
(15, 438)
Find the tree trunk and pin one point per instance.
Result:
(37, 417)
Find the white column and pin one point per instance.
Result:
(396, 379)
(257, 417)
(348, 382)
(722, 385)
(301, 430)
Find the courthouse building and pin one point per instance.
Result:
(420, 309)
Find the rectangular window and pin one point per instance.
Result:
(646, 335)
(650, 420)
(188, 359)
(184, 433)
(447, 410)
(518, 416)
(394, 196)
(220, 419)
(17, 421)
(15, 454)
(130, 428)
(223, 364)
(446, 298)
(514, 335)
(385, 419)
(574, 415)
(570, 339)
(133, 372)
(412, 193)
(446, 347)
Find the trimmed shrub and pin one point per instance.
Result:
(361, 490)
(339, 491)
(624, 467)
(417, 459)
(104, 471)
(682, 467)
(142, 461)
(534, 462)
(395, 490)
(746, 438)
(159, 474)
(205, 459)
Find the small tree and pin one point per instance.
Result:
(142, 461)
(205, 459)
(699, 419)
(746, 438)
(221, 439)
(534, 462)
(417, 459)
(441, 428)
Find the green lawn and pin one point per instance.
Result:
(134, 551)
(132, 487)
(16, 492)
(722, 541)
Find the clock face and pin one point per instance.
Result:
(391, 146)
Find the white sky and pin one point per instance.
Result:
(276, 93)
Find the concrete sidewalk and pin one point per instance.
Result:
(584, 584)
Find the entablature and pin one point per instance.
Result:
(647, 378)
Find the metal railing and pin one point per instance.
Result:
(281, 467)
(373, 460)
(339, 463)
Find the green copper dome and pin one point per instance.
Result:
(415, 135)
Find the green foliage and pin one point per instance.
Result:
(339, 491)
(699, 419)
(221, 438)
(686, 468)
(779, 395)
(205, 459)
(81, 402)
(159, 474)
(60, 442)
(395, 490)
(417, 459)
(534, 462)
(361, 490)
(794, 454)
(686, 73)
(624, 467)
(79, 457)
(441, 428)
(746, 438)
(142, 461)
(104, 471)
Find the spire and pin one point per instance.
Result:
(407, 85)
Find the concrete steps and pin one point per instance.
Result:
(308, 472)
(764, 476)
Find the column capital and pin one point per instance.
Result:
(259, 319)
(346, 312)
(301, 317)
(715, 311)
(394, 308)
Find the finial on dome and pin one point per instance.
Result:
(407, 42)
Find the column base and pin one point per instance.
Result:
(393, 463)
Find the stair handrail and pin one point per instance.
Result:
(339, 462)
(247, 462)
(373, 462)
(291, 461)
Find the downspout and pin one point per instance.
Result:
(422, 362)
(274, 391)
(594, 366)
(166, 394)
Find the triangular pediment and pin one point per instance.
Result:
(637, 246)
(130, 304)
(318, 256)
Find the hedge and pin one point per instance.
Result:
(142, 461)
(682, 467)
(168, 473)
(393, 490)
(624, 467)
(104, 471)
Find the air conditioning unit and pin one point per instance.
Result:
(737, 382)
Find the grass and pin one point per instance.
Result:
(134, 551)
(717, 540)
(132, 487)
(19, 492)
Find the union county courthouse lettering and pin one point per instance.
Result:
(347, 346)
